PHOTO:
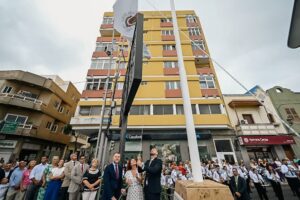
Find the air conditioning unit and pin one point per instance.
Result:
(243, 121)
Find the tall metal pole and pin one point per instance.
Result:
(100, 142)
(189, 120)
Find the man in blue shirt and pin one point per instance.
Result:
(15, 181)
(36, 178)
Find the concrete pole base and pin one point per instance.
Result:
(208, 190)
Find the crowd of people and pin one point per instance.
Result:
(138, 180)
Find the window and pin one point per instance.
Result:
(291, 113)
(194, 31)
(223, 145)
(179, 110)
(105, 46)
(172, 85)
(56, 104)
(271, 118)
(54, 128)
(165, 20)
(140, 110)
(215, 109)
(207, 81)
(209, 109)
(117, 110)
(7, 89)
(163, 109)
(198, 44)
(191, 19)
(102, 64)
(90, 110)
(120, 86)
(61, 109)
(85, 110)
(170, 64)
(249, 118)
(203, 153)
(194, 110)
(97, 84)
(169, 47)
(67, 112)
(167, 32)
(48, 125)
(108, 20)
(20, 119)
(204, 109)
(27, 94)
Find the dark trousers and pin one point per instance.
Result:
(32, 192)
(262, 192)
(294, 184)
(63, 193)
(277, 189)
(248, 185)
(152, 196)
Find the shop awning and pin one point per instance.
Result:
(244, 103)
(266, 140)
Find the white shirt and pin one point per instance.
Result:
(56, 171)
(272, 176)
(257, 178)
(289, 173)
(174, 175)
(216, 176)
(37, 172)
(209, 173)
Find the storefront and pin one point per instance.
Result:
(6, 149)
(264, 147)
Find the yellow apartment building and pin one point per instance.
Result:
(156, 117)
(33, 113)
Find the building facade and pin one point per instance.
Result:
(156, 117)
(260, 134)
(287, 104)
(33, 112)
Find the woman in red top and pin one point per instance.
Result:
(25, 182)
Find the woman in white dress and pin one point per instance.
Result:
(134, 180)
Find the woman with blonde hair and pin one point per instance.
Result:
(25, 182)
(91, 181)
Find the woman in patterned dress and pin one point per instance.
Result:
(46, 177)
(134, 180)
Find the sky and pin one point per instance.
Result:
(248, 38)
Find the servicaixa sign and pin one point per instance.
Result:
(266, 140)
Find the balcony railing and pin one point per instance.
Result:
(256, 129)
(21, 97)
(19, 129)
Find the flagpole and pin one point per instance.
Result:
(190, 126)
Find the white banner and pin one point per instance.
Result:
(125, 17)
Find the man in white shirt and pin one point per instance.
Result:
(36, 178)
(289, 172)
(258, 182)
(216, 174)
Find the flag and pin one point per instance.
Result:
(125, 17)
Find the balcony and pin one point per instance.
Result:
(166, 24)
(21, 101)
(13, 128)
(204, 70)
(173, 93)
(256, 129)
(106, 30)
(171, 71)
(81, 139)
(168, 38)
(201, 59)
(169, 53)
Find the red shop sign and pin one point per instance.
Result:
(263, 140)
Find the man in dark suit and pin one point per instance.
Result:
(153, 168)
(112, 179)
(238, 186)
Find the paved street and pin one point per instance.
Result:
(288, 195)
